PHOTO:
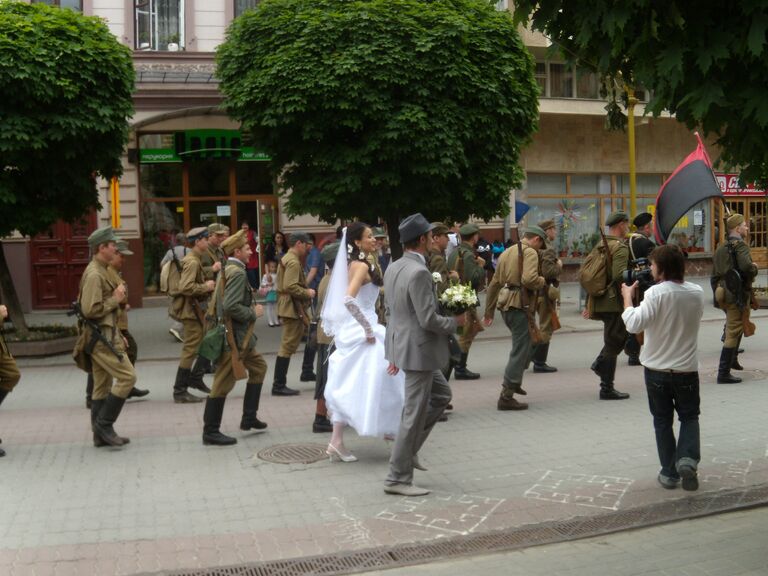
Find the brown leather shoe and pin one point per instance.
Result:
(509, 403)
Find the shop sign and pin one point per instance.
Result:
(729, 184)
(190, 145)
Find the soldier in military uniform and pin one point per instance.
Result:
(640, 246)
(735, 249)
(608, 308)
(213, 261)
(550, 268)
(100, 298)
(471, 271)
(293, 301)
(189, 307)
(505, 293)
(236, 305)
(324, 347)
(115, 270)
(9, 372)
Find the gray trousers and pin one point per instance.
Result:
(517, 323)
(426, 396)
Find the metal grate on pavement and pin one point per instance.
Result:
(293, 453)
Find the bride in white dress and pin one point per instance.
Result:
(359, 393)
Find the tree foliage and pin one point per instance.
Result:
(706, 61)
(375, 108)
(65, 100)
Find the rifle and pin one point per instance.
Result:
(533, 330)
(96, 334)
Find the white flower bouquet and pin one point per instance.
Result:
(458, 298)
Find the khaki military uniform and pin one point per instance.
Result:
(324, 341)
(9, 372)
(608, 307)
(550, 269)
(292, 299)
(504, 293)
(463, 261)
(237, 305)
(190, 305)
(722, 263)
(212, 255)
(122, 318)
(436, 262)
(98, 304)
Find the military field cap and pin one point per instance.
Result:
(217, 228)
(298, 237)
(616, 217)
(378, 232)
(101, 236)
(237, 240)
(412, 227)
(642, 219)
(469, 229)
(330, 251)
(439, 229)
(196, 233)
(536, 230)
(734, 220)
(546, 224)
(122, 247)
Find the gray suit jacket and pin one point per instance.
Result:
(417, 337)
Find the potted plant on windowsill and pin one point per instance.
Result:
(173, 43)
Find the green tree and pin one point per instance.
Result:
(381, 108)
(706, 61)
(65, 100)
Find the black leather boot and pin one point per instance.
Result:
(540, 359)
(461, 372)
(735, 364)
(3, 394)
(724, 375)
(180, 393)
(281, 374)
(96, 406)
(214, 409)
(104, 425)
(200, 369)
(607, 375)
(89, 390)
(137, 393)
(251, 399)
(308, 364)
(597, 366)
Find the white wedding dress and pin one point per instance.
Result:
(359, 392)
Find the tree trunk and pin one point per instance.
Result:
(9, 296)
(395, 248)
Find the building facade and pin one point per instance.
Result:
(179, 171)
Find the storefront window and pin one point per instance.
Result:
(160, 222)
(160, 181)
(576, 222)
(209, 178)
(545, 184)
(254, 178)
(690, 232)
(584, 185)
(208, 212)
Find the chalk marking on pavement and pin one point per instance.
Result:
(595, 491)
(735, 469)
(350, 532)
(462, 513)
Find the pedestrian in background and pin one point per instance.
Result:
(268, 290)
(670, 315)
(252, 267)
(178, 250)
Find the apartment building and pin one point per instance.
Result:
(577, 172)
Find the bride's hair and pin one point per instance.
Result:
(355, 231)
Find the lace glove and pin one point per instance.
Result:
(351, 304)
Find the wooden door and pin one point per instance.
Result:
(58, 259)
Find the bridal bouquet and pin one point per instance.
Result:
(458, 298)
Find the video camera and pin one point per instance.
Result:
(640, 272)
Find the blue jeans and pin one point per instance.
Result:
(669, 392)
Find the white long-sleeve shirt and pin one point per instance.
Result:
(669, 314)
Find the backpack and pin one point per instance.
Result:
(170, 275)
(595, 271)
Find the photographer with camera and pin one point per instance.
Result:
(640, 247)
(733, 273)
(670, 314)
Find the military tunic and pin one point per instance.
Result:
(504, 293)
(608, 307)
(212, 255)
(122, 317)
(237, 305)
(193, 295)
(549, 268)
(292, 293)
(463, 261)
(436, 262)
(9, 372)
(722, 263)
(96, 287)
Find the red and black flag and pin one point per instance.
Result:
(691, 182)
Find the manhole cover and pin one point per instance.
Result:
(293, 453)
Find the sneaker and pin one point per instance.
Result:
(689, 475)
(668, 482)
(175, 333)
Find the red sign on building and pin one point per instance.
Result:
(729, 184)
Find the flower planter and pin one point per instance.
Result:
(43, 347)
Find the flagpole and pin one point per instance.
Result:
(631, 101)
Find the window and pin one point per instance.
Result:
(559, 80)
(243, 5)
(76, 5)
(502, 5)
(159, 25)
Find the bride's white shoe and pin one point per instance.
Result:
(335, 454)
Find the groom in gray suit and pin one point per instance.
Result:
(417, 342)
